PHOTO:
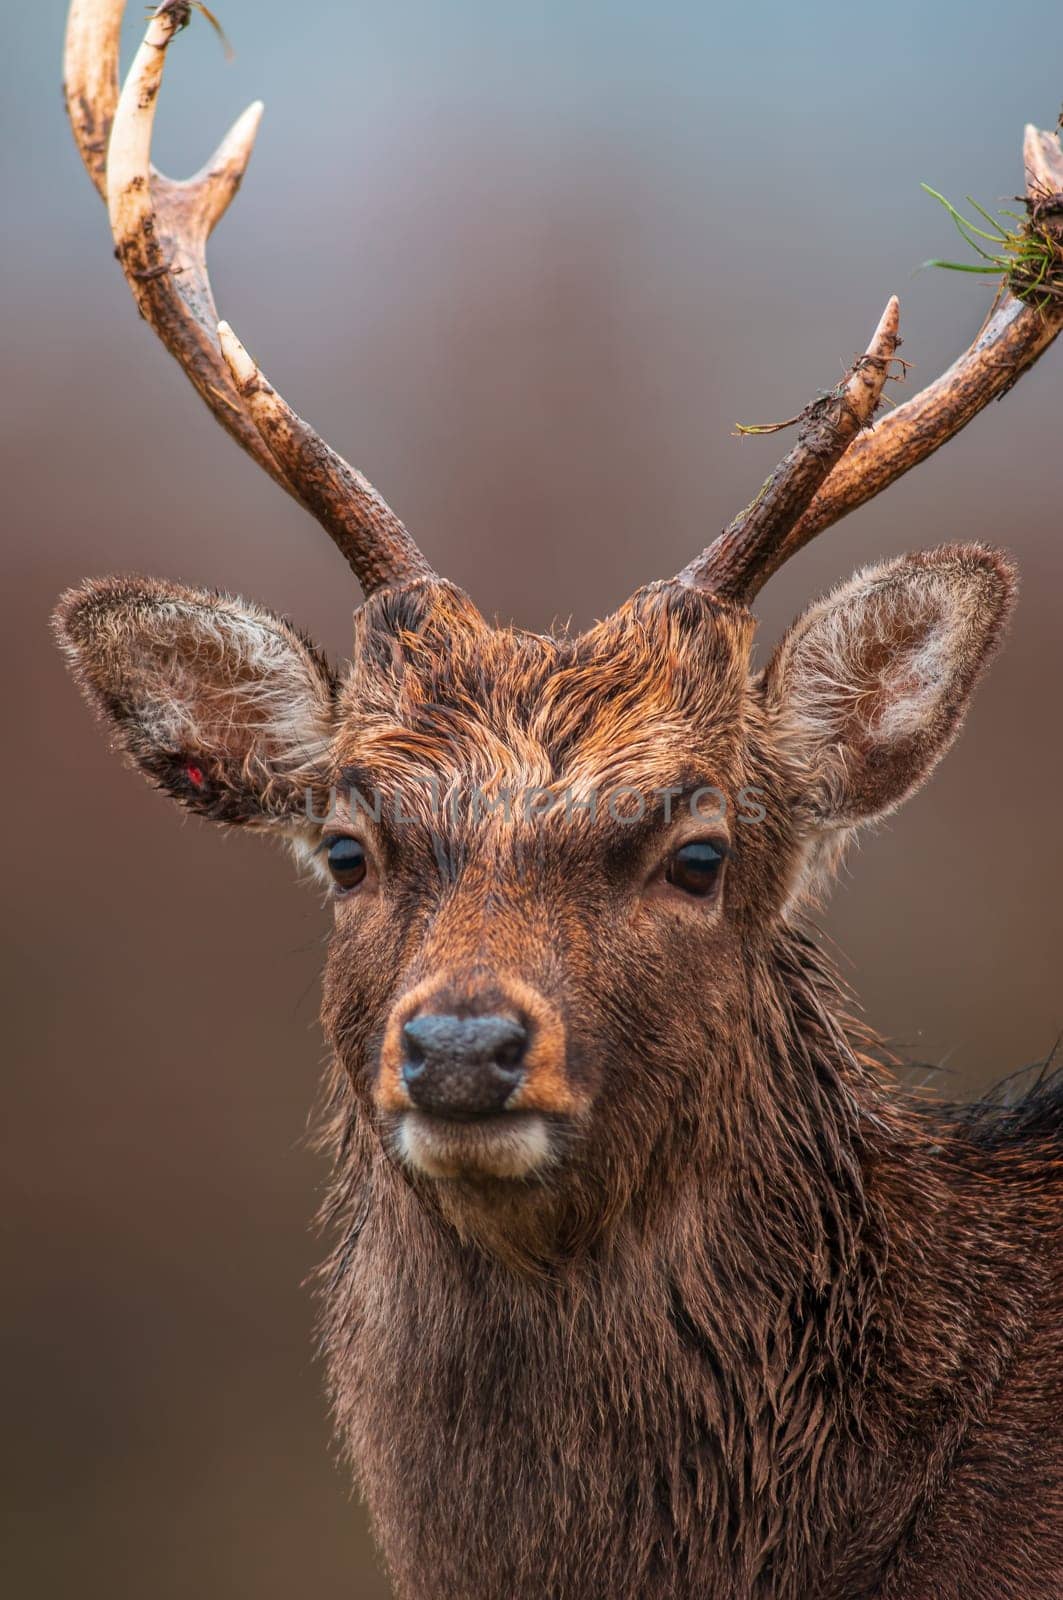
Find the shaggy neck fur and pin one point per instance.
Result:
(741, 1386)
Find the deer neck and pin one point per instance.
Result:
(745, 1350)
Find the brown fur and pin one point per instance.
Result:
(763, 1326)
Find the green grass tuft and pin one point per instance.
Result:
(1024, 251)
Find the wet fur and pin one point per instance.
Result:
(768, 1327)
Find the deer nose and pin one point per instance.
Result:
(463, 1066)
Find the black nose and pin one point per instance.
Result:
(463, 1066)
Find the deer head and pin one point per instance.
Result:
(565, 871)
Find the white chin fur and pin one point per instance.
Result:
(504, 1147)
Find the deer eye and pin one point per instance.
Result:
(696, 867)
(346, 862)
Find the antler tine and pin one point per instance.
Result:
(1017, 332)
(1043, 161)
(1015, 335)
(742, 558)
(341, 499)
(90, 80)
(161, 227)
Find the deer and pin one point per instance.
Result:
(648, 1277)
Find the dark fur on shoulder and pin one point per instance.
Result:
(711, 1307)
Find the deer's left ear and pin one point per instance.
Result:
(872, 684)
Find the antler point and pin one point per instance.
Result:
(888, 324)
(240, 364)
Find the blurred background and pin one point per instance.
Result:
(526, 265)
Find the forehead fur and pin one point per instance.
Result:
(435, 692)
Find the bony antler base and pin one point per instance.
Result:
(648, 1281)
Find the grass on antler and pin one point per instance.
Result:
(1028, 258)
(184, 9)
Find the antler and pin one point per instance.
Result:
(839, 461)
(733, 564)
(161, 227)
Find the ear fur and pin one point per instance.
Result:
(221, 703)
(872, 683)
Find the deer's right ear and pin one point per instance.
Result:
(870, 687)
(223, 705)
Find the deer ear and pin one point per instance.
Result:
(217, 701)
(873, 682)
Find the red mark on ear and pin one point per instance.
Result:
(195, 774)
